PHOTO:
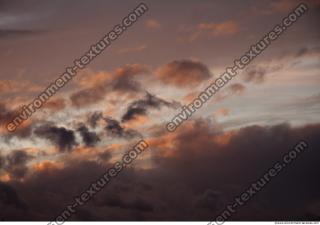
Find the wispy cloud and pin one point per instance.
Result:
(152, 24)
(132, 50)
(210, 30)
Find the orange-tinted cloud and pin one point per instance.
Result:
(164, 144)
(224, 138)
(10, 86)
(191, 96)
(47, 166)
(137, 121)
(121, 81)
(220, 29)
(183, 73)
(282, 6)
(89, 78)
(152, 24)
(55, 104)
(210, 30)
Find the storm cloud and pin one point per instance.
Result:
(192, 180)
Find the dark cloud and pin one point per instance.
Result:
(135, 204)
(44, 187)
(10, 33)
(105, 156)
(94, 118)
(184, 73)
(126, 84)
(9, 197)
(63, 138)
(89, 138)
(15, 163)
(194, 182)
(112, 126)
(2, 162)
(141, 106)
(210, 199)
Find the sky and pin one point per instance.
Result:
(130, 92)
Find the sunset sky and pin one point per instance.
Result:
(131, 90)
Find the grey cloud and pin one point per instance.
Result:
(16, 163)
(257, 74)
(63, 138)
(89, 138)
(141, 106)
(112, 126)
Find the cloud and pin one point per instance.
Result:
(191, 96)
(197, 190)
(16, 33)
(220, 29)
(237, 88)
(121, 81)
(281, 6)
(94, 118)
(89, 138)
(46, 166)
(5, 114)
(141, 106)
(2, 162)
(310, 101)
(11, 86)
(222, 112)
(61, 137)
(183, 73)
(132, 50)
(257, 74)
(114, 128)
(88, 96)
(111, 126)
(305, 51)
(210, 199)
(9, 197)
(305, 103)
(55, 104)
(15, 163)
(124, 81)
(210, 30)
(152, 24)
(88, 78)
